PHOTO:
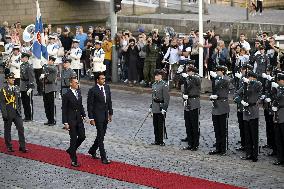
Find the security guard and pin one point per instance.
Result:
(244, 70)
(48, 78)
(220, 108)
(66, 74)
(27, 86)
(10, 105)
(278, 112)
(159, 106)
(250, 100)
(191, 97)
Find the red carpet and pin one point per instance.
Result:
(115, 170)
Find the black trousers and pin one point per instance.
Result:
(140, 69)
(19, 126)
(99, 141)
(279, 140)
(48, 101)
(39, 85)
(192, 127)
(220, 128)
(17, 82)
(26, 100)
(251, 130)
(158, 122)
(77, 136)
(259, 6)
(241, 127)
(78, 73)
(269, 129)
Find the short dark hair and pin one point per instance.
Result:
(99, 74)
(72, 78)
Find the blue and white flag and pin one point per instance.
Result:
(39, 46)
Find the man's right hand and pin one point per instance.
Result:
(66, 126)
(92, 122)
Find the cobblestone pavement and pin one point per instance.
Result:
(129, 110)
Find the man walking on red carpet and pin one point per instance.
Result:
(73, 115)
(100, 114)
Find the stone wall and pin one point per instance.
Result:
(266, 3)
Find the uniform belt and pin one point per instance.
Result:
(158, 101)
(222, 98)
(194, 96)
(24, 80)
(252, 104)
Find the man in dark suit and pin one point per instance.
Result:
(73, 115)
(100, 114)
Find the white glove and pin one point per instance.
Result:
(268, 100)
(163, 112)
(269, 78)
(213, 97)
(262, 97)
(274, 109)
(150, 110)
(264, 75)
(246, 80)
(238, 75)
(41, 76)
(274, 85)
(213, 74)
(185, 97)
(59, 96)
(29, 92)
(244, 103)
(184, 75)
(180, 69)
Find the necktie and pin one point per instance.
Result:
(76, 92)
(103, 93)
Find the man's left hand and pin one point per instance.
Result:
(109, 118)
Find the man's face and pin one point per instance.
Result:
(158, 77)
(74, 84)
(91, 30)
(97, 45)
(101, 80)
(256, 44)
(281, 82)
(264, 36)
(271, 41)
(219, 73)
(66, 65)
(90, 37)
(190, 72)
(242, 37)
(50, 62)
(16, 51)
(75, 45)
(11, 81)
(59, 31)
(262, 51)
(24, 59)
(81, 30)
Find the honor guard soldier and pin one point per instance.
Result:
(48, 78)
(244, 70)
(27, 86)
(159, 106)
(191, 97)
(15, 63)
(10, 105)
(220, 109)
(75, 56)
(250, 96)
(66, 74)
(278, 118)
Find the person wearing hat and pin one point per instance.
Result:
(159, 106)
(10, 105)
(250, 95)
(75, 56)
(191, 98)
(237, 99)
(26, 86)
(15, 63)
(220, 109)
(66, 74)
(278, 112)
(97, 57)
(9, 45)
(48, 78)
(52, 47)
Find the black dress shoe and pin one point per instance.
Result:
(194, 149)
(46, 123)
(154, 143)
(75, 164)
(28, 120)
(222, 153)
(240, 148)
(51, 124)
(184, 139)
(214, 152)
(24, 150)
(10, 149)
(254, 159)
(94, 155)
(105, 161)
(162, 144)
(278, 163)
(187, 148)
(246, 158)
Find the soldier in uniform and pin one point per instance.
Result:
(15, 63)
(27, 86)
(10, 105)
(220, 108)
(191, 97)
(278, 112)
(48, 78)
(159, 106)
(66, 74)
(244, 70)
(251, 93)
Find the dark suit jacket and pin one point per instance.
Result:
(98, 109)
(72, 109)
